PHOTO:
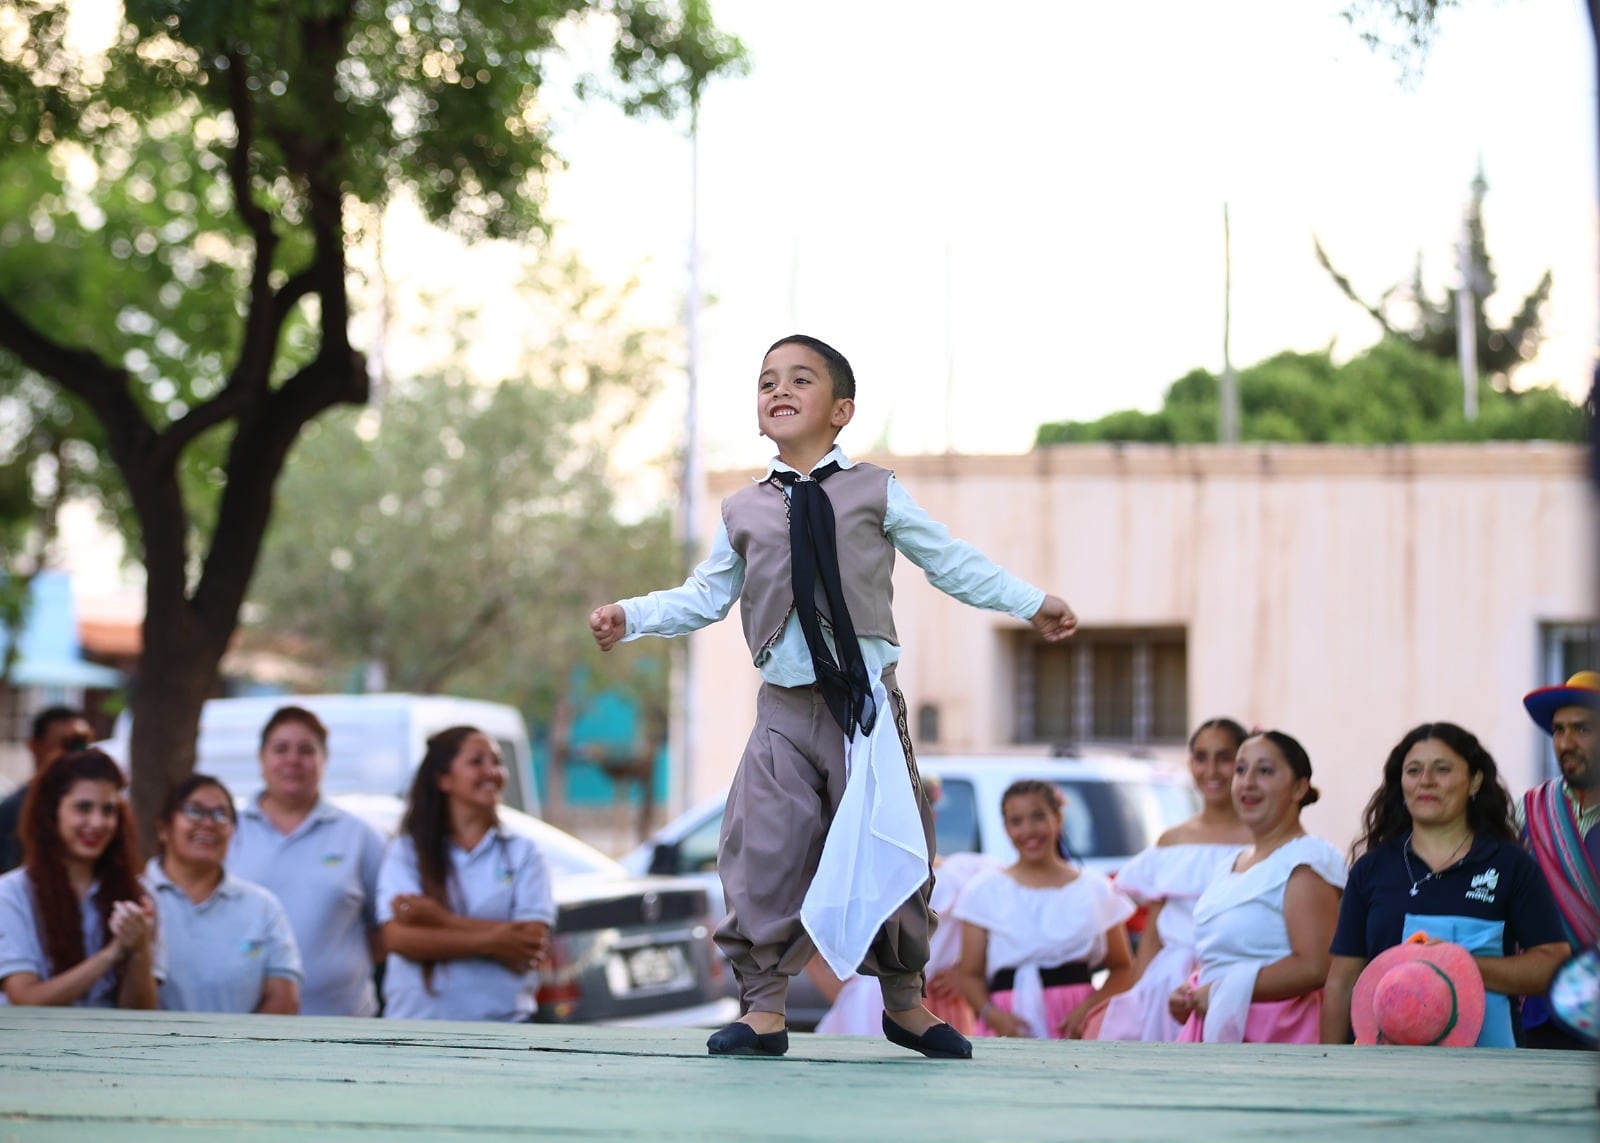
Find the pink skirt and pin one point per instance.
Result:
(1296, 1021)
(1059, 1001)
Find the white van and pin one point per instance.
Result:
(374, 740)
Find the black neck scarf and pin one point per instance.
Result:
(814, 553)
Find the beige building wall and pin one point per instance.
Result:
(1342, 594)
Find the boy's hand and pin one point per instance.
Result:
(610, 624)
(1054, 619)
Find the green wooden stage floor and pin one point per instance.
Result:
(110, 1077)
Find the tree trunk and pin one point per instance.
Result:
(176, 676)
(560, 742)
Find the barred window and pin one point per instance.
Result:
(1119, 685)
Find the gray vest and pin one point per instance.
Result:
(757, 520)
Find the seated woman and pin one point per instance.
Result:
(1439, 855)
(228, 941)
(1034, 932)
(1168, 878)
(75, 927)
(1262, 928)
(466, 906)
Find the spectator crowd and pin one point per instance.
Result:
(1254, 929)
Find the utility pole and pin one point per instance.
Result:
(689, 491)
(1467, 318)
(1228, 396)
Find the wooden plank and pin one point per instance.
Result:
(116, 1077)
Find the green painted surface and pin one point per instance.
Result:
(117, 1077)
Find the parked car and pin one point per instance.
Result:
(374, 740)
(1114, 807)
(626, 950)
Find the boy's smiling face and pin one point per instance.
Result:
(795, 405)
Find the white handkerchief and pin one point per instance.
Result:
(875, 855)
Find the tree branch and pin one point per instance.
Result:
(255, 461)
(97, 383)
(1349, 290)
(481, 623)
(251, 371)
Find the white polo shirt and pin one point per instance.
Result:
(325, 874)
(22, 945)
(503, 878)
(221, 951)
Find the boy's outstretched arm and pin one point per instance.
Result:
(1054, 619)
(609, 623)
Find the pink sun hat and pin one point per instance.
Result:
(1419, 993)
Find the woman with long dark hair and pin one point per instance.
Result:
(1168, 878)
(1261, 928)
(1438, 855)
(1035, 932)
(466, 906)
(76, 928)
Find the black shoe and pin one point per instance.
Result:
(941, 1041)
(742, 1040)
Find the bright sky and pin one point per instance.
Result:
(1009, 214)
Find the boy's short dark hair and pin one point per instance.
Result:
(839, 371)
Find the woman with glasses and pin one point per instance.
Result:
(75, 926)
(230, 948)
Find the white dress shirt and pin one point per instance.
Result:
(953, 566)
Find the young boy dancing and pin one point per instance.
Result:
(808, 550)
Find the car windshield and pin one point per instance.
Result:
(1100, 819)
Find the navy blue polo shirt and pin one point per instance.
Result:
(1492, 902)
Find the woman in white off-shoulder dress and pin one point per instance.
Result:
(1263, 929)
(1034, 933)
(1167, 878)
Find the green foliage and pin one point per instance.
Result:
(459, 533)
(1393, 393)
(174, 215)
(1433, 325)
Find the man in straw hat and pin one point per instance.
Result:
(1560, 823)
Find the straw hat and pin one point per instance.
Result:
(1582, 689)
(1419, 993)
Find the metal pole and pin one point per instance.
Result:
(1228, 395)
(1467, 320)
(683, 794)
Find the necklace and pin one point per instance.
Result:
(1450, 863)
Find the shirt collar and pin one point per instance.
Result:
(158, 880)
(496, 836)
(322, 811)
(835, 454)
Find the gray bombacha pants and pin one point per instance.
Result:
(780, 805)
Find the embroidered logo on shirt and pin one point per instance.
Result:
(1484, 885)
(507, 876)
(253, 949)
(332, 858)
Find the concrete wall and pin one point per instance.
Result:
(1341, 594)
